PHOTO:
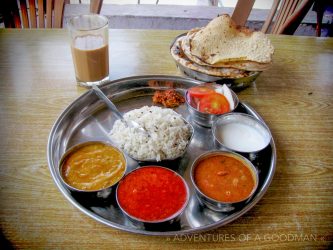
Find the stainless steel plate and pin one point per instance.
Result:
(87, 118)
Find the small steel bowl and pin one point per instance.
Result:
(246, 127)
(205, 119)
(216, 205)
(154, 224)
(102, 192)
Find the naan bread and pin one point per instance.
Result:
(221, 41)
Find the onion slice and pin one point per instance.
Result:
(224, 90)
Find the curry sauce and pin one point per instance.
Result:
(224, 178)
(93, 167)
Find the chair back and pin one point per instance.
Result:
(284, 17)
(34, 14)
(39, 13)
(288, 17)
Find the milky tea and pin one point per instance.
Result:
(91, 58)
(90, 50)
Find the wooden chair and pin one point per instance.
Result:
(242, 12)
(284, 17)
(96, 6)
(49, 13)
(289, 16)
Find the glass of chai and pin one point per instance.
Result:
(90, 48)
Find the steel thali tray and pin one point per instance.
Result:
(88, 119)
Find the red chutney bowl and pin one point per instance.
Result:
(152, 194)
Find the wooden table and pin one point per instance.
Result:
(295, 97)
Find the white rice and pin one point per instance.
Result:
(169, 134)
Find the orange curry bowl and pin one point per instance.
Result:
(223, 180)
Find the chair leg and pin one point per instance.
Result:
(319, 8)
(242, 12)
(96, 6)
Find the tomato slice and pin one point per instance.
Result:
(200, 91)
(214, 104)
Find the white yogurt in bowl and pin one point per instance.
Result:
(241, 133)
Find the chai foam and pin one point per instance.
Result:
(91, 58)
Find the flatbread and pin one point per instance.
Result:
(221, 41)
(243, 65)
(180, 57)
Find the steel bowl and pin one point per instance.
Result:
(151, 224)
(205, 119)
(103, 192)
(216, 205)
(233, 83)
(241, 121)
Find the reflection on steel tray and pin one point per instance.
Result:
(87, 118)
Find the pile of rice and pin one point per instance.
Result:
(169, 134)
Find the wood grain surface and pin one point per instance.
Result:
(295, 97)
